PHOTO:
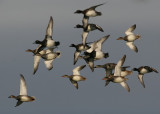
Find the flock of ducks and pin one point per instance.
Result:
(92, 51)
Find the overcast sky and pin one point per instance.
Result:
(24, 21)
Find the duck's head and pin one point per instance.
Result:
(12, 96)
(78, 11)
(65, 76)
(120, 38)
(72, 45)
(134, 69)
(29, 50)
(37, 42)
(78, 26)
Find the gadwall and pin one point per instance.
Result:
(22, 97)
(130, 38)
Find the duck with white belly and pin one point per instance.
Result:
(143, 70)
(76, 77)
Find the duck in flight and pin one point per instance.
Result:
(48, 42)
(90, 12)
(76, 77)
(44, 54)
(143, 70)
(23, 96)
(130, 38)
(117, 78)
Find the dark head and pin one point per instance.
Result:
(37, 42)
(78, 11)
(57, 43)
(72, 45)
(106, 55)
(78, 26)
(134, 69)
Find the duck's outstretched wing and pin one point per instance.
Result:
(93, 7)
(74, 83)
(140, 77)
(130, 30)
(76, 56)
(49, 64)
(117, 71)
(76, 71)
(106, 82)
(125, 85)
(49, 30)
(23, 87)
(36, 63)
(85, 21)
(132, 46)
(18, 103)
(84, 37)
(100, 42)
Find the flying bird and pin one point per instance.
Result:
(48, 42)
(79, 49)
(22, 97)
(95, 52)
(109, 67)
(143, 70)
(88, 27)
(97, 47)
(117, 78)
(90, 12)
(43, 54)
(130, 38)
(76, 77)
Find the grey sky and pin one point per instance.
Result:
(22, 22)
